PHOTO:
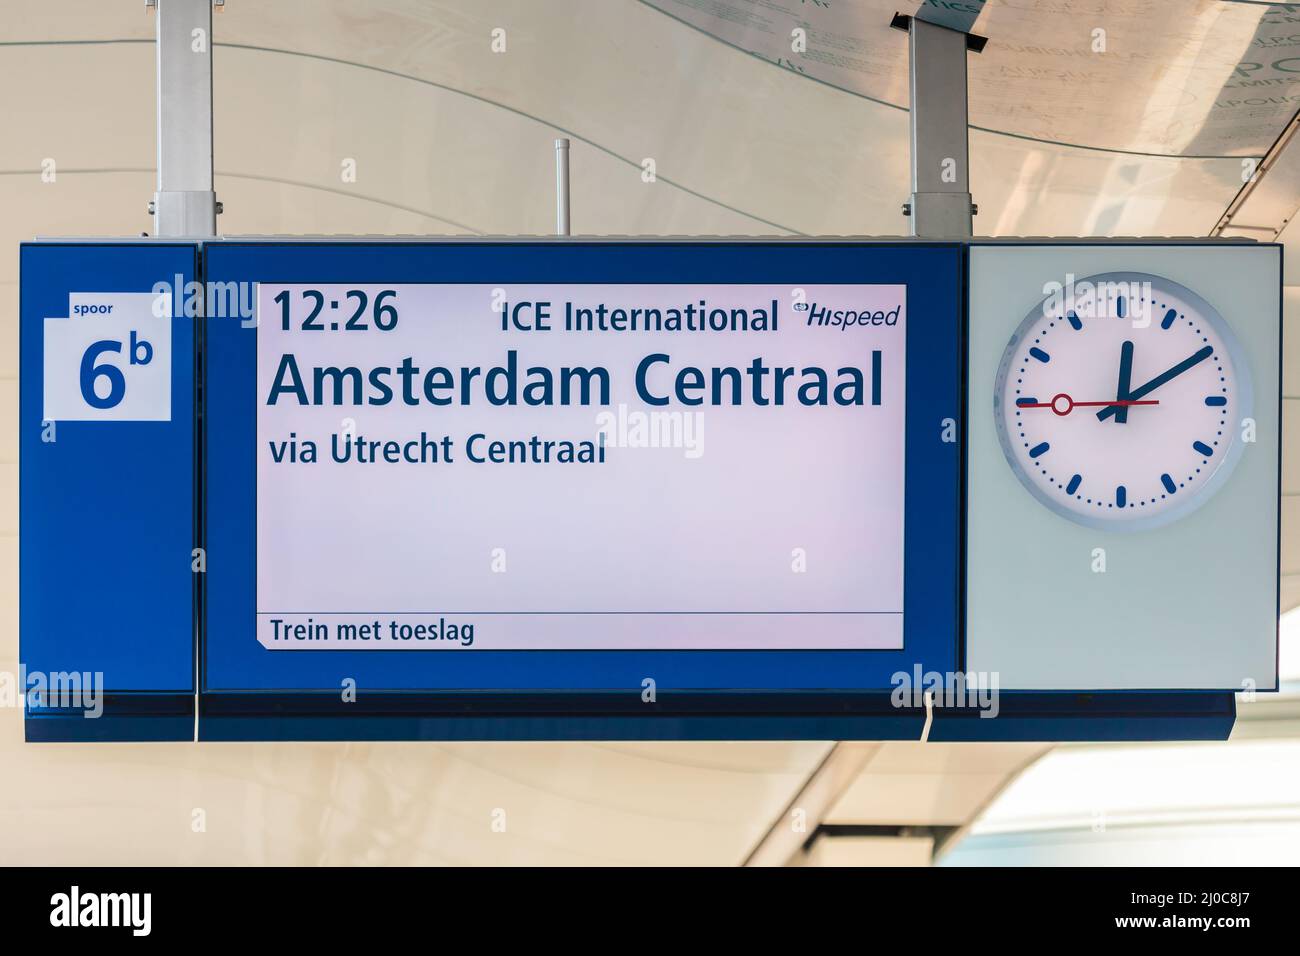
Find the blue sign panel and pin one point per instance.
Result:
(107, 484)
(594, 467)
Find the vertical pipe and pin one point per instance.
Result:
(561, 187)
(184, 204)
(941, 202)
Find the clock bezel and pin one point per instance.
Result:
(1243, 399)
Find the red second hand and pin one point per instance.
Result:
(1070, 403)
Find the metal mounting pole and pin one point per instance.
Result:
(940, 206)
(561, 187)
(185, 204)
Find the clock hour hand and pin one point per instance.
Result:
(1125, 380)
(1166, 376)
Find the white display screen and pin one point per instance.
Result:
(613, 467)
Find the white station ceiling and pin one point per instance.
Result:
(1145, 134)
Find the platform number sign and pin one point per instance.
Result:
(109, 359)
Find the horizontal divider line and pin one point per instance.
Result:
(539, 613)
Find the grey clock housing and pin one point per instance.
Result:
(1190, 604)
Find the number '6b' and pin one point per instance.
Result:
(140, 353)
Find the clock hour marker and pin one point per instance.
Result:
(1168, 320)
(1073, 486)
(1216, 400)
(1030, 402)
(1040, 355)
(1203, 448)
(1074, 322)
(1168, 483)
(1121, 496)
(1038, 449)
(1119, 306)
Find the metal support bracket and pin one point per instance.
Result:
(185, 203)
(940, 206)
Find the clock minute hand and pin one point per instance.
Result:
(1161, 379)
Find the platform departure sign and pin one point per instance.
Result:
(520, 489)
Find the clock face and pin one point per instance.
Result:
(1119, 402)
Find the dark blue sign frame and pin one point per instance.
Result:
(932, 273)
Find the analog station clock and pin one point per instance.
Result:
(1119, 403)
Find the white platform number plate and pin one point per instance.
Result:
(110, 359)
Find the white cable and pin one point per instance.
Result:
(929, 715)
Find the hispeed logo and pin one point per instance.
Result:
(845, 319)
(100, 910)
